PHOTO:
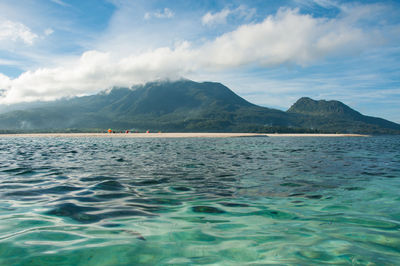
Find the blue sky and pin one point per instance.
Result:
(269, 52)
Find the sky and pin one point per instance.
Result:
(269, 52)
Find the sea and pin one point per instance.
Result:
(200, 201)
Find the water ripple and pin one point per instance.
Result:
(216, 201)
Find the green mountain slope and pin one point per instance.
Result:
(188, 106)
(334, 116)
(168, 106)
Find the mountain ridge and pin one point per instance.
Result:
(188, 106)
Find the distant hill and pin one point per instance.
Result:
(335, 116)
(187, 106)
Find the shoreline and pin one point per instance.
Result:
(172, 135)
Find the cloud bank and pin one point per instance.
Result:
(287, 37)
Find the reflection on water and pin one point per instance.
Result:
(233, 201)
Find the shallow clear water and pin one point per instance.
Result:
(233, 201)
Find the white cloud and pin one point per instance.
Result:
(93, 71)
(287, 37)
(210, 19)
(4, 80)
(216, 18)
(166, 13)
(48, 31)
(5, 83)
(15, 31)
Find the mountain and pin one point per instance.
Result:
(331, 116)
(168, 106)
(188, 106)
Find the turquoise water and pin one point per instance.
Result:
(233, 201)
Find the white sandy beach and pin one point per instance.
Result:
(170, 135)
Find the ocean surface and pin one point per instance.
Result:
(200, 201)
